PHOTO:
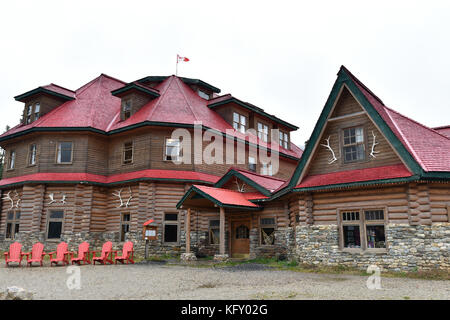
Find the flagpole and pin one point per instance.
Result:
(176, 68)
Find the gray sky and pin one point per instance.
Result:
(281, 56)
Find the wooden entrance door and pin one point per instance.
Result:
(240, 239)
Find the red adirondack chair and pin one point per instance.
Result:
(83, 254)
(61, 254)
(14, 254)
(127, 253)
(37, 254)
(106, 252)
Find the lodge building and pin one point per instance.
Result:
(94, 164)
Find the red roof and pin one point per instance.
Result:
(231, 197)
(95, 107)
(430, 148)
(95, 178)
(267, 182)
(444, 130)
(360, 175)
(58, 89)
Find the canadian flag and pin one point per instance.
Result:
(184, 59)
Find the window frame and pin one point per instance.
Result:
(239, 124)
(124, 222)
(180, 151)
(171, 222)
(124, 151)
(71, 152)
(13, 158)
(362, 223)
(34, 111)
(264, 170)
(49, 219)
(284, 140)
(255, 163)
(260, 227)
(343, 145)
(122, 108)
(262, 133)
(14, 222)
(30, 154)
(213, 228)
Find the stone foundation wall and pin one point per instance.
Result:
(409, 248)
(284, 241)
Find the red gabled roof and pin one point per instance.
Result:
(430, 148)
(231, 197)
(58, 89)
(116, 178)
(267, 182)
(95, 107)
(359, 175)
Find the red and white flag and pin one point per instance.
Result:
(183, 59)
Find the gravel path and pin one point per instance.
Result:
(156, 281)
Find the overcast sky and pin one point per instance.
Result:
(281, 56)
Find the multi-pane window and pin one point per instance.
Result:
(239, 122)
(263, 132)
(214, 231)
(203, 95)
(54, 224)
(12, 224)
(125, 221)
(267, 227)
(284, 140)
(363, 229)
(126, 109)
(266, 169)
(252, 164)
(29, 114)
(64, 153)
(37, 110)
(32, 154)
(171, 228)
(242, 232)
(128, 152)
(12, 159)
(353, 144)
(173, 149)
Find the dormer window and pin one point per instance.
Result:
(263, 132)
(37, 110)
(126, 109)
(32, 112)
(239, 122)
(203, 95)
(29, 113)
(12, 160)
(353, 144)
(284, 140)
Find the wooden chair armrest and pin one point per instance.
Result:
(25, 254)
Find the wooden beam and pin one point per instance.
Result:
(222, 231)
(346, 116)
(188, 231)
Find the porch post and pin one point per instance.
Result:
(222, 231)
(188, 231)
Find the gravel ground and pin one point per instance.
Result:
(158, 281)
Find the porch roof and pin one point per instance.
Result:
(197, 196)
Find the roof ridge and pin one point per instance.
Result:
(160, 98)
(56, 85)
(441, 127)
(257, 174)
(185, 98)
(362, 84)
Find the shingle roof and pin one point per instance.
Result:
(444, 130)
(95, 107)
(429, 148)
(231, 197)
(267, 182)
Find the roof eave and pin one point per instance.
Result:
(23, 97)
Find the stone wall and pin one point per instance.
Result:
(409, 248)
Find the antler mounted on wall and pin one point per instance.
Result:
(239, 187)
(333, 156)
(119, 195)
(12, 199)
(374, 143)
(53, 200)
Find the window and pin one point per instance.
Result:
(266, 169)
(128, 152)
(363, 229)
(263, 132)
(214, 231)
(203, 95)
(126, 109)
(239, 122)
(242, 232)
(64, 154)
(252, 164)
(124, 225)
(284, 140)
(12, 224)
(173, 149)
(353, 144)
(37, 110)
(54, 224)
(267, 227)
(12, 160)
(171, 227)
(32, 155)
(29, 113)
